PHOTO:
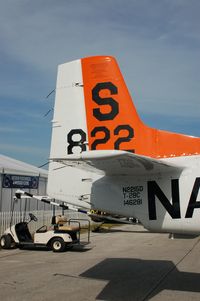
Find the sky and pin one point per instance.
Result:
(156, 43)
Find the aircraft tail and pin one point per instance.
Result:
(94, 111)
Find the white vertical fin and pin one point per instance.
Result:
(69, 110)
(66, 183)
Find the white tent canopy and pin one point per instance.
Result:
(12, 166)
(16, 174)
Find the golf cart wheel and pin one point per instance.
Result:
(6, 242)
(57, 244)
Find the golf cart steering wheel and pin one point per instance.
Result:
(33, 217)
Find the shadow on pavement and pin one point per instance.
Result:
(135, 279)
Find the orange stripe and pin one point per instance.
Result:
(111, 116)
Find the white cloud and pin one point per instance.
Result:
(14, 130)
(150, 43)
(24, 149)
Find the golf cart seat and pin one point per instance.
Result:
(23, 233)
(59, 222)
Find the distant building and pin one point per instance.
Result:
(15, 175)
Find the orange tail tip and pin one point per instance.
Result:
(112, 120)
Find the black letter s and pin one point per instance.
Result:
(105, 101)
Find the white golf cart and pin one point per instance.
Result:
(61, 235)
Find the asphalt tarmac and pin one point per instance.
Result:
(124, 263)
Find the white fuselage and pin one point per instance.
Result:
(166, 202)
(163, 202)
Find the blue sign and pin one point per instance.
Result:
(17, 181)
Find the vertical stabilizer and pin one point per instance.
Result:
(68, 134)
(69, 120)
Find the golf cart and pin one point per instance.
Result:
(61, 235)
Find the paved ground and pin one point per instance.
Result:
(125, 263)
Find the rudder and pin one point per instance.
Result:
(112, 119)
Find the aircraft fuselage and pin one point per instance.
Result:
(163, 202)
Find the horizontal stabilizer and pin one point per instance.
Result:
(117, 162)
